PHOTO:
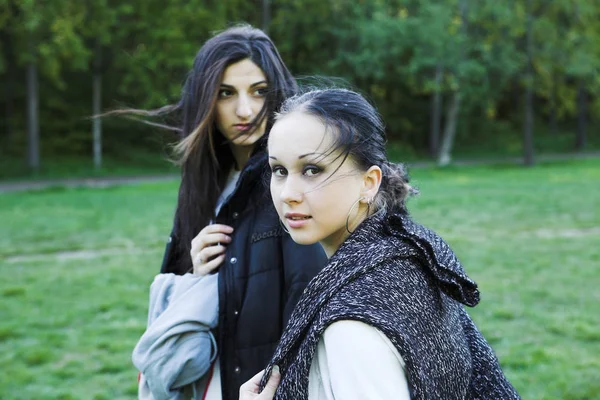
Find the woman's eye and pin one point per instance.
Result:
(261, 92)
(278, 171)
(311, 171)
(224, 93)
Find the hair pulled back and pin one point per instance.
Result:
(359, 134)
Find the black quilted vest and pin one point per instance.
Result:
(260, 282)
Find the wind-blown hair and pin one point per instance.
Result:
(359, 135)
(203, 152)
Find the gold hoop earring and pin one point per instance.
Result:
(283, 226)
(352, 208)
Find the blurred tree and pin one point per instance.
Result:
(99, 23)
(551, 55)
(528, 152)
(32, 27)
(434, 58)
(461, 35)
(567, 61)
(47, 45)
(8, 66)
(584, 64)
(436, 111)
(266, 15)
(456, 66)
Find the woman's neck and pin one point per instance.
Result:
(241, 155)
(332, 243)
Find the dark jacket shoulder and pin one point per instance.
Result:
(260, 281)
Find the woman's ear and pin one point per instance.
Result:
(371, 183)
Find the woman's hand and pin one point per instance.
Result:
(249, 390)
(208, 249)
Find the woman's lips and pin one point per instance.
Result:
(242, 127)
(295, 220)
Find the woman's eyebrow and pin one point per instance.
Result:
(227, 86)
(310, 154)
(300, 157)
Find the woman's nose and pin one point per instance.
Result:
(291, 192)
(243, 109)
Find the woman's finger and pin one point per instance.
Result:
(251, 387)
(202, 269)
(216, 228)
(215, 238)
(201, 242)
(202, 258)
(207, 250)
(200, 246)
(249, 390)
(210, 252)
(269, 392)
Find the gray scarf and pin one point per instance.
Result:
(403, 279)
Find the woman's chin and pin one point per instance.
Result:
(302, 238)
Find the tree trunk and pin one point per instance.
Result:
(528, 153)
(266, 15)
(9, 107)
(553, 122)
(9, 87)
(97, 122)
(553, 119)
(445, 156)
(582, 110)
(436, 112)
(97, 105)
(33, 130)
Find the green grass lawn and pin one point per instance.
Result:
(138, 164)
(75, 266)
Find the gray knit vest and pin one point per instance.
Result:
(403, 279)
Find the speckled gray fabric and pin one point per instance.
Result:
(403, 279)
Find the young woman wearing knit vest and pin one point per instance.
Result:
(231, 275)
(385, 318)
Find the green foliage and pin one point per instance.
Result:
(389, 50)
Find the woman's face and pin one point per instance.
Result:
(313, 191)
(241, 97)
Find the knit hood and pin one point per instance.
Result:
(376, 240)
(441, 260)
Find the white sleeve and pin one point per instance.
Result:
(357, 362)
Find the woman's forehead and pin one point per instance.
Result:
(243, 72)
(299, 132)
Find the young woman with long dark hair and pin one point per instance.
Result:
(231, 275)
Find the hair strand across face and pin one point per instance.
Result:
(359, 136)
